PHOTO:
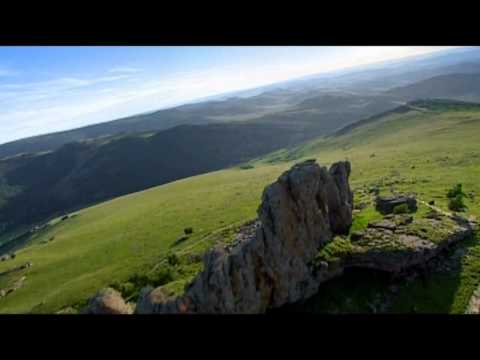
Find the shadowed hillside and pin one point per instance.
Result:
(79, 174)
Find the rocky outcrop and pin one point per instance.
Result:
(272, 266)
(395, 244)
(386, 204)
(107, 301)
(298, 242)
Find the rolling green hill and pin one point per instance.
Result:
(80, 174)
(425, 149)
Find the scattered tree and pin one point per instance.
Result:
(457, 204)
(456, 196)
(454, 191)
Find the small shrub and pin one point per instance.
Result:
(456, 196)
(188, 230)
(162, 276)
(457, 204)
(126, 289)
(139, 280)
(131, 288)
(401, 209)
(173, 259)
(246, 167)
(455, 191)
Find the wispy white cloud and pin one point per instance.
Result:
(64, 83)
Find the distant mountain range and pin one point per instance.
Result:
(284, 98)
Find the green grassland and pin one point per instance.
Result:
(425, 151)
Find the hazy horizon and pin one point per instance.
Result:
(52, 89)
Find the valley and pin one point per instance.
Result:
(411, 151)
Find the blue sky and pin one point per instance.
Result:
(46, 89)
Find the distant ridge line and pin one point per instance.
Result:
(403, 109)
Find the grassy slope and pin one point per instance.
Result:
(110, 241)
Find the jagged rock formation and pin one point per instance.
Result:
(297, 243)
(280, 257)
(299, 213)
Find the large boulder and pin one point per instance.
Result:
(270, 265)
(386, 204)
(107, 301)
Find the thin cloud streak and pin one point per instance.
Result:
(124, 69)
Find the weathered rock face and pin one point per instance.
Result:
(107, 301)
(385, 205)
(299, 212)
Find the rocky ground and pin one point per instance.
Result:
(398, 242)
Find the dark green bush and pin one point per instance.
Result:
(162, 276)
(188, 230)
(173, 259)
(455, 191)
(457, 204)
(401, 209)
(456, 196)
(131, 288)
